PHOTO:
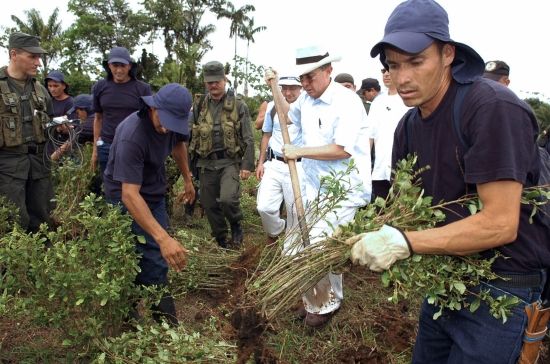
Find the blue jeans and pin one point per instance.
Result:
(465, 337)
(103, 157)
(154, 269)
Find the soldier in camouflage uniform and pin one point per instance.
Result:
(25, 109)
(222, 147)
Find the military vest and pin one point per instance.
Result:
(23, 117)
(208, 136)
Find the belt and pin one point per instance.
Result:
(519, 280)
(26, 148)
(220, 154)
(283, 160)
(273, 155)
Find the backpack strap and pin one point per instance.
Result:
(457, 106)
(273, 112)
(409, 119)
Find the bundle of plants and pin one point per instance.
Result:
(209, 267)
(72, 178)
(444, 280)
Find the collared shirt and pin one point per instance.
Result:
(336, 117)
(273, 126)
(384, 115)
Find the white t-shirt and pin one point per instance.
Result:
(385, 113)
(336, 117)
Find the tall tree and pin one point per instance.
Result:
(50, 33)
(248, 33)
(179, 23)
(542, 113)
(239, 18)
(102, 24)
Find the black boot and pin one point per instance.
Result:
(237, 233)
(132, 319)
(165, 310)
(222, 242)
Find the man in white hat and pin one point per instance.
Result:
(333, 123)
(135, 178)
(272, 169)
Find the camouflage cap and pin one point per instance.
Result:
(213, 71)
(26, 42)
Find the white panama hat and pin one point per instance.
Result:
(310, 58)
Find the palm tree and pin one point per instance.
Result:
(248, 34)
(50, 33)
(179, 22)
(238, 18)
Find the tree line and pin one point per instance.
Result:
(102, 24)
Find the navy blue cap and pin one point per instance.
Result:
(82, 101)
(119, 55)
(56, 76)
(415, 24)
(173, 103)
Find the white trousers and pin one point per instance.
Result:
(275, 187)
(327, 295)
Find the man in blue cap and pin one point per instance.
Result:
(84, 111)
(498, 159)
(59, 90)
(114, 98)
(136, 176)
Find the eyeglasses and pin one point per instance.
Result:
(383, 70)
(310, 76)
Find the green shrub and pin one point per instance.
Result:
(81, 285)
(164, 344)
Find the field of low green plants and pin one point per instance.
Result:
(66, 291)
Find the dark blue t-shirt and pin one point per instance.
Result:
(500, 130)
(137, 156)
(87, 129)
(60, 108)
(115, 101)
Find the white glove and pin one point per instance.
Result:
(379, 249)
(270, 75)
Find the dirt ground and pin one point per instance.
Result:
(392, 325)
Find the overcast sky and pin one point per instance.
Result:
(514, 31)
